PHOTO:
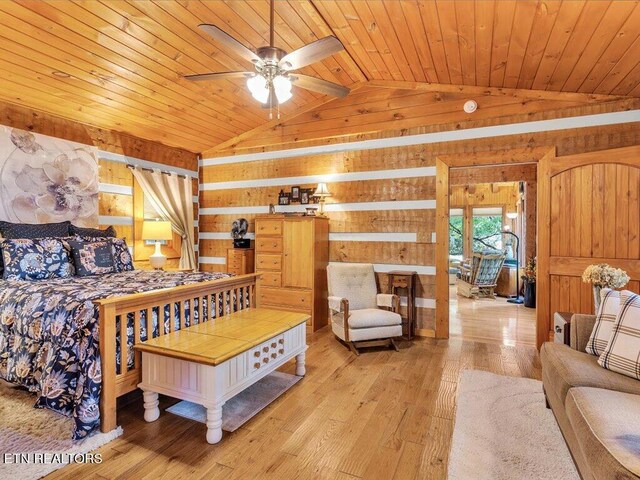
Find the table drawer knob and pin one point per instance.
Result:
(558, 329)
(256, 365)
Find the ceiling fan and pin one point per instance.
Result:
(271, 82)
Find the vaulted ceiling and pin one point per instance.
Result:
(119, 64)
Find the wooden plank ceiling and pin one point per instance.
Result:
(119, 64)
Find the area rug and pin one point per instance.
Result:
(244, 406)
(503, 431)
(40, 437)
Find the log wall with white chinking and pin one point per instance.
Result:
(116, 150)
(383, 206)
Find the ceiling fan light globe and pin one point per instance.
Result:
(282, 87)
(283, 96)
(258, 87)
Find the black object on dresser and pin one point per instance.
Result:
(562, 327)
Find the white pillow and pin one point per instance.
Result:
(605, 319)
(622, 355)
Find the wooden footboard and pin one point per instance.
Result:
(226, 295)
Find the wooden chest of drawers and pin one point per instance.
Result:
(240, 260)
(292, 254)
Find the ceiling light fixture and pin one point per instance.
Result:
(271, 81)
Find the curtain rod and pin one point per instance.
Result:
(152, 170)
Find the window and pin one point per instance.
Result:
(143, 210)
(456, 234)
(487, 229)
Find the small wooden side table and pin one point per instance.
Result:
(406, 280)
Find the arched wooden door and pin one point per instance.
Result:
(588, 212)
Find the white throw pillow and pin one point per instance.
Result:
(622, 355)
(605, 319)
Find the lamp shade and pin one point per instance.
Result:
(322, 191)
(156, 230)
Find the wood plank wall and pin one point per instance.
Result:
(233, 189)
(116, 180)
(373, 219)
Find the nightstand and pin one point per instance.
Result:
(562, 327)
(240, 261)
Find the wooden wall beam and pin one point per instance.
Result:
(497, 91)
(495, 157)
(543, 249)
(499, 173)
(442, 249)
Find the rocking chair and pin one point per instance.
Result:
(479, 279)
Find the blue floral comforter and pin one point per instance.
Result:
(49, 336)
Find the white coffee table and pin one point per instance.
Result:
(212, 362)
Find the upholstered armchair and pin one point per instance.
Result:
(360, 316)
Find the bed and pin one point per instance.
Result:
(71, 340)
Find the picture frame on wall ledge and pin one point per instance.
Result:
(283, 198)
(304, 197)
(295, 194)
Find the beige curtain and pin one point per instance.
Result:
(172, 197)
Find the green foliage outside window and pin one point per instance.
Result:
(455, 236)
(484, 226)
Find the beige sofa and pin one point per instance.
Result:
(598, 410)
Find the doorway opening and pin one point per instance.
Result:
(492, 241)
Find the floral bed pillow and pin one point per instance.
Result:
(121, 255)
(92, 258)
(122, 260)
(35, 259)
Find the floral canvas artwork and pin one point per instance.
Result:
(45, 179)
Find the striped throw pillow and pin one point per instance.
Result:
(605, 319)
(622, 355)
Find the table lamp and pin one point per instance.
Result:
(157, 231)
(322, 192)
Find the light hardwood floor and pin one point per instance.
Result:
(382, 415)
(491, 320)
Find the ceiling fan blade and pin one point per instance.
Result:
(231, 43)
(319, 85)
(311, 53)
(219, 76)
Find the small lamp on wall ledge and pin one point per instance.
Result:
(157, 231)
(322, 192)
